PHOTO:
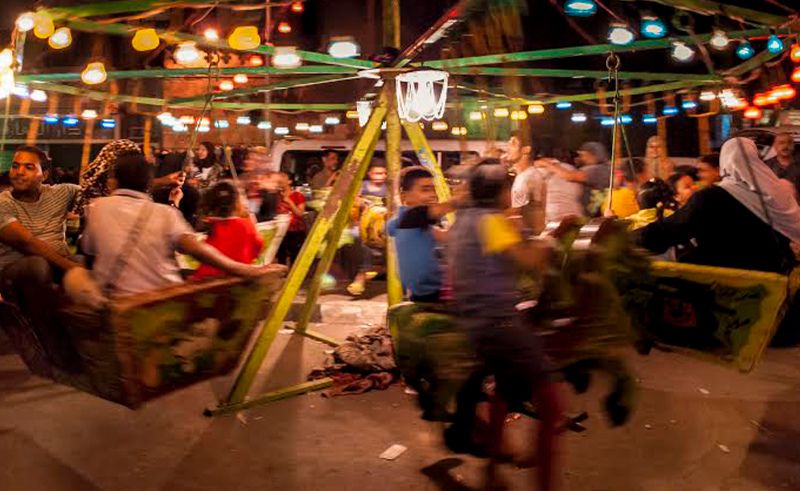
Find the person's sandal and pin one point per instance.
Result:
(356, 289)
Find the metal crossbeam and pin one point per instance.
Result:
(189, 72)
(566, 73)
(256, 89)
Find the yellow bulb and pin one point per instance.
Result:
(6, 81)
(244, 38)
(26, 22)
(226, 85)
(501, 112)
(94, 73)
(145, 40)
(240, 78)
(351, 115)
(439, 126)
(61, 38)
(6, 58)
(43, 25)
(536, 109)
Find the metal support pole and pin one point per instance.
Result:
(391, 23)
(344, 191)
(394, 135)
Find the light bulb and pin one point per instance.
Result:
(61, 38)
(689, 104)
(20, 90)
(707, 95)
(649, 119)
(669, 111)
(89, 114)
(281, 130)
(302, 127)
(221, 124)
(70, 121)
(286, 57)
(795, 54)
(179, 127)
(774, 44)
(332, 120)
(501, 112)
(240, 78)
(186, 119)
(682, 52)
(344, 48)
(518, 115)
(753, 113)
(439, 126)
(745, 50)
(578, 118)
(50, 118)
(535, 109)
(6, 58)
(653, 27)
(43, 26)
(297, 7)
(211, 34)
(25, 22)
(145, 40)
(94, 73)
(563, 105)
(186, 53)
(38, 95)
(351, 114)
(796, 75)
(244, 38)
(316, 128)
(620, 34)
(226, 85)
(284, 27)
(243, 120)
(580, 8)
(264, 125)
(719, 40)
(475, 116)
(108, 124)
(255, 60)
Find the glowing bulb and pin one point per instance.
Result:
(6, 58)
(649, 119)
(578, 118)
(145, 40)
(501, 112)
(203, 129)
(226, 85)
(50, 118)
(535, 109)
(458, 131)
(719, 40)
(796, 75)
(284, 27)
(211, 34)
(20, 90)
(707, 96)
(186, 53)
(240, 78)
(108, 124)
(221, 123)
(89, 114)
(518, 115)
(316, 128)
(795, 54)
(281, 130)
(255, 60)
(774, 44)
(681, 52)
(653, 27)
(620, 34)
(669, 111)
(244, 38)
(43, 26)
(25, 22)
(761, 100)
(785, 92)
(332, 120)
(264, 125)
(61, 38)
(745, 50)
(753, 113)
(302, 127)
(286, 57)
(38, 95)
(344, 48)
(70, 121)
(439, 126)
(475, 116)
(689, 104)
(94, 73)
(179, 127)
(580, 8)
(297, 7)
(351, 115)
(243, 120)
(186, 119)
(563, 105)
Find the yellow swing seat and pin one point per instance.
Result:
(148, 345)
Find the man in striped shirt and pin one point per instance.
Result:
(33, 242)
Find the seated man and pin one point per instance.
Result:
(32, 240)
(133, 240)
(416, 235)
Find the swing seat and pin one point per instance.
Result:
(149, 345)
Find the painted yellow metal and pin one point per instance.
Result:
(394, 135)
(284, 393)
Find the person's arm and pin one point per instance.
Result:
(168, 180)
(566, 174)
(297, 208)
(15, 235)
(209, 255)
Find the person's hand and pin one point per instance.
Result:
(247, 271)
(176, 195)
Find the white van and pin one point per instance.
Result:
(296, 157)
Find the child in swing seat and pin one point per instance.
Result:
(231, 231)
(486, 254)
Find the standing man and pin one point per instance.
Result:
(594, 174)
(329, 172)
(784, 164)
(529, 188)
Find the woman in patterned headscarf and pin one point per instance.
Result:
(94, 180)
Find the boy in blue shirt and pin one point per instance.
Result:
(416, 235)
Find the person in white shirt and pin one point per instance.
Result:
(529, 189)
(133, 240)
(563, 197)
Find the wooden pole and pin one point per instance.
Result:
(391, 23)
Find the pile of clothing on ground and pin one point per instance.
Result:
(362, 363)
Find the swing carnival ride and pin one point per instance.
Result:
(405, 90)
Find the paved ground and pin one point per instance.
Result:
(697, 427)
